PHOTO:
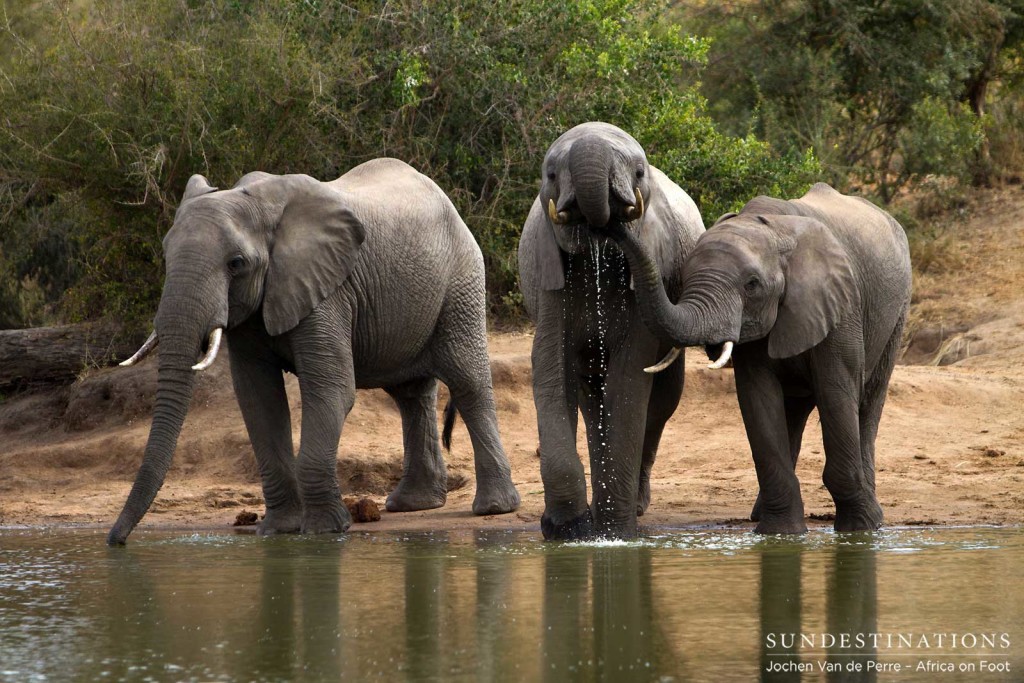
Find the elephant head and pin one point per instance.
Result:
(750, 276)
(593, 176)
(273, 246)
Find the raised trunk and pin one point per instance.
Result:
(591, 164)
(175, 383)
(681, 325)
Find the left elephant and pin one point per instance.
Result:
(370, 280)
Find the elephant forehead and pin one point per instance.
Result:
(205, 225)
(616, 138)
(741, 232)
(723, 248)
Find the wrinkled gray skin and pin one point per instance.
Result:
(814, 293)
(591, 345)
(371, 280)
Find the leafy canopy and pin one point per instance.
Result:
(111, 105)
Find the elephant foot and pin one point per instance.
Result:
(618, 530)
(643, 496)
(755, 512)
(861, 516)
(280, 521)
(333, 518)
(576, 529)
(787, 521)
(408, 497)
(495, 499)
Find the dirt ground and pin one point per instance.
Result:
(950, 448)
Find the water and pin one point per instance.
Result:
(677, 605)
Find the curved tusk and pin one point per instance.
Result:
(636, 211)
(557, 217)
(143, 351)
(668, 360)
(724, 358)
(211, 353)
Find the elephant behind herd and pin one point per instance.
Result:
(346, 287)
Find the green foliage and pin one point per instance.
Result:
(883, 92)
(940, 140)
(110, 107)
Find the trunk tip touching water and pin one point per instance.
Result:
(173, 396)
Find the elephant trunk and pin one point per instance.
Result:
(175, 383)
(183, 321)
(590, 161)
(697, 320)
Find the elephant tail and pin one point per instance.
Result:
(449, 424)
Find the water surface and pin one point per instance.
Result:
(678, 605)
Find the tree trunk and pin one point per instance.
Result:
(47, 356)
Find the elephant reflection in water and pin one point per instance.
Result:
(851, 608)
(604, 594)
(279, 620)
(441, 640)
(299, 630)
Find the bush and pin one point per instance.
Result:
(109, 109)
(884, 93)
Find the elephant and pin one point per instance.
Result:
(370, 280)
(810, 297)
(590, 341)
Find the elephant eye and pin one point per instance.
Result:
(236, 263)
(639, 173)
(752, 284)
(551, 175)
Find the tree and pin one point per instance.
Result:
(871, 86)
(109, 108)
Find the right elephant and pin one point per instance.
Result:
(810, 297)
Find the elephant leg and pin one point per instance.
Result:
(873, 401)
(462, 359)
(798, 409)
(763, 408)
(616, 410)
(424, 482)
(666, 390)
(495, 492)
(839, 403)
(566, 515)
(259, 387)
(327, 384)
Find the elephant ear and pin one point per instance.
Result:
(726, 216)
(197, 185)
(671, 226)
(549, 256)
(820, 286)
(315, 245)
(252, 177)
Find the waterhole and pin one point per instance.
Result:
(693, 605)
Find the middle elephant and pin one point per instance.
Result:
(591, 343)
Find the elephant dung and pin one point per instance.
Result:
(246, 518)
(362, 510)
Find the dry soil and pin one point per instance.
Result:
(950, 448)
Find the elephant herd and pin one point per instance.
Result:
(373, 280)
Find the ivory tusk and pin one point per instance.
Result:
(668, 360)
(143, 351)
(211, 352)
(557, 217)
(637, 210)
(724, 358)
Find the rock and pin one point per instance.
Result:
(362, 510)
(245, 518)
